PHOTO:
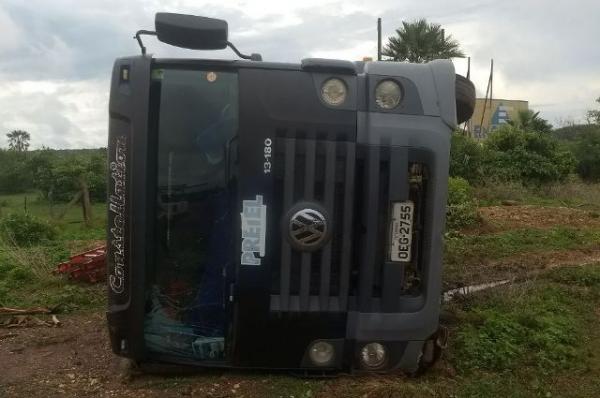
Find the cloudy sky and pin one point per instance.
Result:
(56, 56)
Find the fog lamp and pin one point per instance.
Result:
(388, 94)
(373, 355)
(333, 91)
(321, 353)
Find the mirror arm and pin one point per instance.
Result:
(139, 39)
(139, 33)
(252, 57)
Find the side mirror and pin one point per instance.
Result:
(190, 31)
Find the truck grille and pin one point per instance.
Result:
(355, 186)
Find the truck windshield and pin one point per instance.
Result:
(196, 129)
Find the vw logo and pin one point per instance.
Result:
(308, 229)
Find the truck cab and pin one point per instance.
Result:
(275, 215)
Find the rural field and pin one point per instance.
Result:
(534, 336)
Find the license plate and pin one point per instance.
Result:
(401, 231)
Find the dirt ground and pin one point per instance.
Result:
(496, 219)
(72, 359)
(75, 360)
(504, 218)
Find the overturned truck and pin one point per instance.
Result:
(277, 215)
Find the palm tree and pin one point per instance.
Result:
(529, 120)
(420, 41)
(18, 140)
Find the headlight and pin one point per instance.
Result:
(388, 94)
(333, 91)
(373, 355)
(321, 353)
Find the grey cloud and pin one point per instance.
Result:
(534, 43)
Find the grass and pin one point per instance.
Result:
(462, 249)
(573, 193)
(70, 226)
(531, 339)
(26, 278)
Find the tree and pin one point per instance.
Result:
(14, 174)
(75, 177)
(420, 41)
(593, 116)
(18, 140)
(530, 120)
(587, 152)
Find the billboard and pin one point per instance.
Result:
(495, 113)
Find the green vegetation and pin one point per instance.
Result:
(26, 279)
(56, 174)
(467, 159)
(462, 207)
(535, 327)
(60, 176)
(529, 120)
(526, 335)
(24, 229)
(527, 153)
(18, 140)
(467, 248)
(15, 176)
(571, 193)
(40, 226)
(67, 220)
(33, 243)
(587, 151)
(420, 41)
(514, 154)
(593, 115)
(530, 156)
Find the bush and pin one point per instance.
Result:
(587, 152)
(461, 210)
(24, 229)
(528, 156)
(466, 158)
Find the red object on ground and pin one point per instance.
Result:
(88, 266)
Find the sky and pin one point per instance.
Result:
(56, 56)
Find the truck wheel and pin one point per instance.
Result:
(465, 99)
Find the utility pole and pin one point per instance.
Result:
(469, 68)
(489, 91)
(491, 82)
(378, 39)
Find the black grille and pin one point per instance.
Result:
(355, 186)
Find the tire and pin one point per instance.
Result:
(465, 99)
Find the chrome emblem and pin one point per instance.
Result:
(308, 228)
